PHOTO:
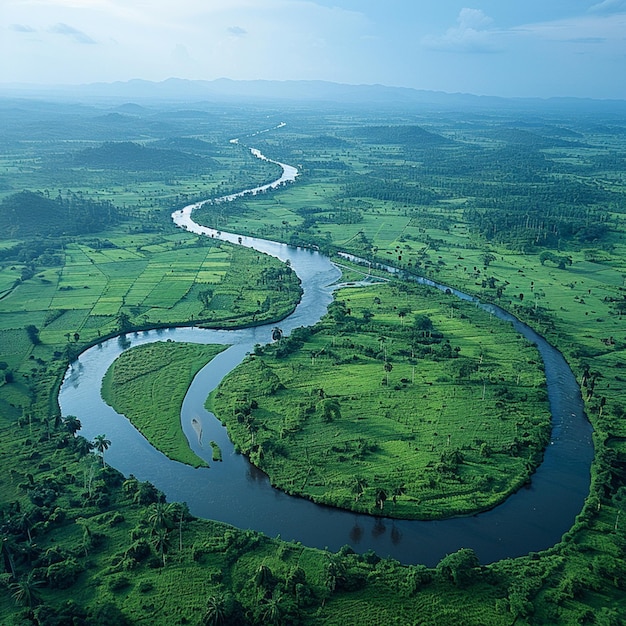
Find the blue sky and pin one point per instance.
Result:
(523, 48)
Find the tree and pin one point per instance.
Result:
(82, 446)
(381, 497)
(24, 591)
(358, 487)
(101, 444)
(160, 515)
(264, 578)
(205, 297)
(488, 258)
(458, 567)
(33, 334)
(146, 493)
(402, 313)
(72, 424)
(388, 367)
(423, 323)
(123, 322)
(274, 609)
(161, 542)
(8, 547)
(219, 608)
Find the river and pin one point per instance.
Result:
(235, 492)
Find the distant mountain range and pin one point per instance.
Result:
(221, 90)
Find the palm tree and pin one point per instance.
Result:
(160, 515)
(8, 547)
(358, 487)
(274, 609)
(216, 612)
(263, 576)
(24, 591)
(82, 446)
(388, 367)
(101, 443)
(24, 522)
(72, 424)
(130, 485)
(161, 542)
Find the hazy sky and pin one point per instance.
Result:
(495, 47)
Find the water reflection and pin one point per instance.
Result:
(379, 528)
(396, 535)
(356, 534)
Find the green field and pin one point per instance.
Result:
(431, 402)
(148, 385)
(523, 206)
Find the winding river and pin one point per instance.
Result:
(237, 493)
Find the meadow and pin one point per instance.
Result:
(411, 405)
(148, 383)
(472, 198)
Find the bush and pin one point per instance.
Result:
(63, 574)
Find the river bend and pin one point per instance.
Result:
(237, 493)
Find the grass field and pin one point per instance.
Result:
(84, 545)
(432, 401)
(148, 385)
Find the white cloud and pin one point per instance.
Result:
(471, 34)
(589, 28)
(237, 31)
(22, 28)
(473, 18)
(69, 31)
(203, 39)
(609, 6)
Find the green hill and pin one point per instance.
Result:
(29, 214)
(128, 155)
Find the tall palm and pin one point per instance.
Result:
(7, 546)
(358, 487)
(101, 443)
(160, 515)
(161, 542)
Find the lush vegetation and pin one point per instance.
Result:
(27, 214)
(403, 401)
(524, 207)
(148, 383)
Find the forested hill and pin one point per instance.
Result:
(131, 156)
(413, 136)
(28, 214)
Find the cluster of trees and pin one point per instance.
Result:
(520, 224)
(28, 214)
(130, 156)
(400, 191)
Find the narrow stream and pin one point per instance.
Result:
(237, 493)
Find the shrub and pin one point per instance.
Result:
(63, 574)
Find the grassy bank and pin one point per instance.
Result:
(148, 384)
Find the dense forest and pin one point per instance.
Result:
(31, 214)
